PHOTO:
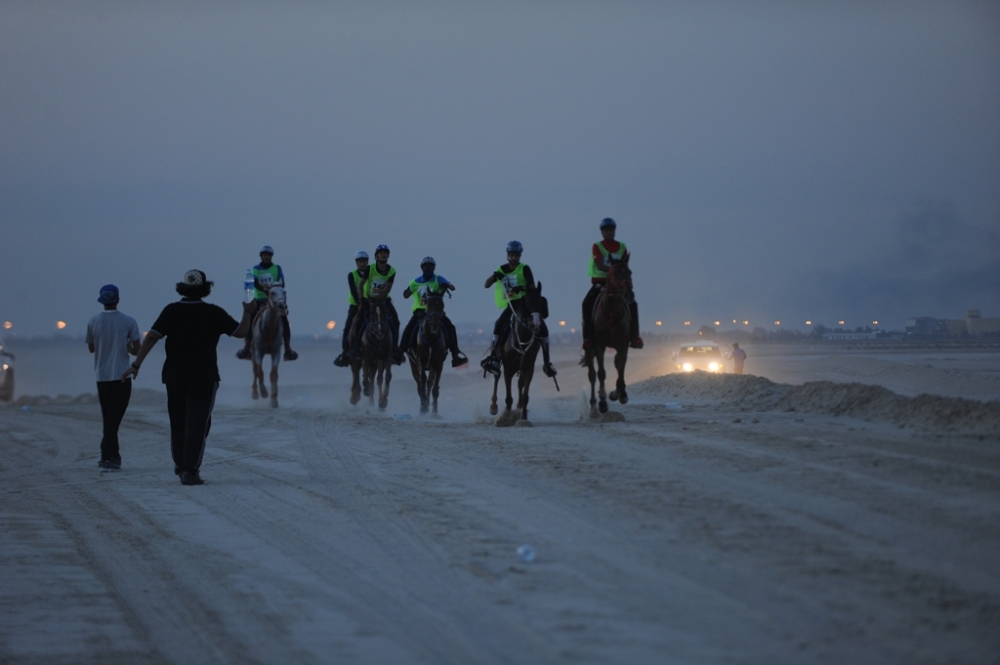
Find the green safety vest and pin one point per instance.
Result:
(357, 281)
(601, 271)
(421, 290)
(509, 281)
(378, 283)
(263, 275)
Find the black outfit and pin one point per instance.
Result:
(114, 397)
(352, 311)
(191, 373)
(451, 335)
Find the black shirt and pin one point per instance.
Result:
(192, 329)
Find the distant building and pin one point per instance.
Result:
(845, 336)
(973, 324)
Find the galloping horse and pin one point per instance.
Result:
(612, 329)
(267, 341)
(375, 361)
(428, 352)
(518, 353)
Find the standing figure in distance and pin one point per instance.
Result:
(429, 283)
(111, 337)
(355, 283)
(739, 357)
(265, 275)
(601, 255)
(191, 370)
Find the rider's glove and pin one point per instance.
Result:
(499, 275)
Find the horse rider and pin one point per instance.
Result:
(355, 283)
(601, 256)
(512, 281)
(265, 275)
(427, 284)
(379, 283)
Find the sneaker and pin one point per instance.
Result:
(191, 478)
(549, 370)
(105, 465)
(636, 343)
(341, 360)
(291, 355)
(458, 359)
(243, 354)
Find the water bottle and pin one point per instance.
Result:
(248, 290)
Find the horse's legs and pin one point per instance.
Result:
(385, 373)
(619, 394)
(523, 383)
(435, 390)
(601, 375)
(253, 386)
(356, 383)
(274, 381)
(592, 376)
(493, 400)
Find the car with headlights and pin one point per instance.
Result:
(701, 355)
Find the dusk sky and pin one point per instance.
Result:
(764, 161)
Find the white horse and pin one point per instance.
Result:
(267, 341)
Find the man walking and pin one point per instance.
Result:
(191, 371)
(739, 357)
(111, 337)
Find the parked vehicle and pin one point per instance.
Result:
(701, 355)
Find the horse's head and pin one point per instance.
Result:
(277, 299)
(434, 312)
(529, 308)
(620, 281)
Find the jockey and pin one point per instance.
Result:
(355, 282)
(430, 284)
(512, 282)
(602, 254)
(379, 282)
(266, 275)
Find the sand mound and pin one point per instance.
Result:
(857, 400)
(41, 400)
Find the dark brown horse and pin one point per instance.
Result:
(375, 360)
(517, 356)
(427, 353)
(612, 330)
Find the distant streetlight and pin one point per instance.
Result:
(330, 325)
(659, 323)
(840, 323)
(874, 323)
(746, 323)
(572, 330)
(809, 323)
(777, 323)
(562, 323)
(717, 323)
(60, 324)
(7, 325)
(687, 323)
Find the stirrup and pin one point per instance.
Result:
(549, 370)
(458, 359)
(243, 354)
(291, 355)
(637, 343)
(341, 360)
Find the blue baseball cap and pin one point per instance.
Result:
(109, 294)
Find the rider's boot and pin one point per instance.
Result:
(341, 360)
(491, 363)
(547, 367)
(244, 353)
(457, 357)
(637, 342)
(287, 337)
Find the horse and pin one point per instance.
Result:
(375, 360)
(267, 341)
(612, 329)
(517, 356)
(428, 352)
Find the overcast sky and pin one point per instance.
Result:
(765, 161)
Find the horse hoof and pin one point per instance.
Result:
(603, 406)
(263, 392)
(493, 409)
(382, 403)
(355, 399)
(594, 413)
(254, 394)
(423, 408)
(274, 402)
(523, 423)
(623, 398)
(613, 396)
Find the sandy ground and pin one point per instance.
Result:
(715, 524)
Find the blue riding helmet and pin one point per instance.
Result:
(606, 222)
(515, 247)
(267, 249)
(361, 255)
(381, 248)
(427, 260)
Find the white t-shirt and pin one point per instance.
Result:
(110, 332)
